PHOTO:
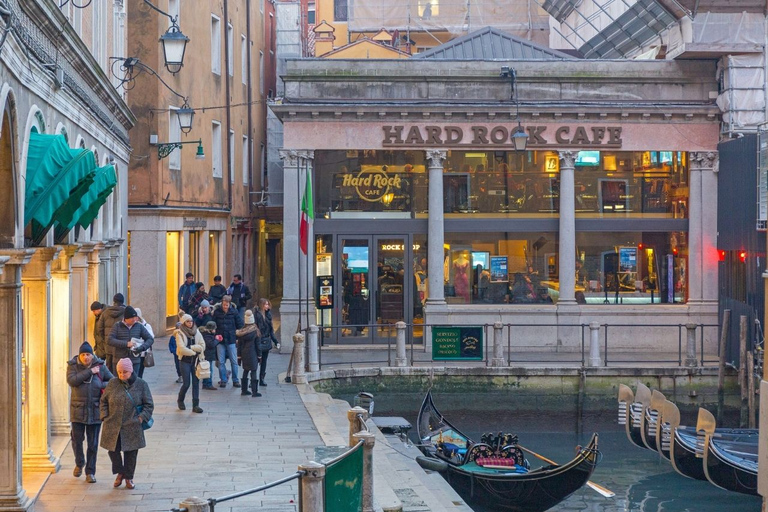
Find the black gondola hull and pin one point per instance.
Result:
(728, 472)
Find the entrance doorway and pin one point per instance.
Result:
(376, 287)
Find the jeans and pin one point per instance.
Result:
(227, 351)
(263, 364)
(81, 432)
(241, 312)
(188, 374)
(208, 383)
(141, 369)
(125, 467)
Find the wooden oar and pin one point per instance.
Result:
(592, 485)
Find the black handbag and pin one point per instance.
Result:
(265, 344)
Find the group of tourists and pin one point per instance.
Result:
(122, 405)
(218, 326)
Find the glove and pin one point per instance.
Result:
(277, 346)
(197, 348)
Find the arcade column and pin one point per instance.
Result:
(435, 229)
(61, 336)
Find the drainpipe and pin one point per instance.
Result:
(250, 99)
(229, 114)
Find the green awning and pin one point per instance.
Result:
(87, 192)
(103, 184)
(55, 173)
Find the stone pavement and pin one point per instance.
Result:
(238, 443)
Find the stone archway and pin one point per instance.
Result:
(7, 183)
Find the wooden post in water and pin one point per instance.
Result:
(721, 365)
(751, 388)
(743, 369)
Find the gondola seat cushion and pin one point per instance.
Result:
(499, 462)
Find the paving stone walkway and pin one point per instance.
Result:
(236, 444)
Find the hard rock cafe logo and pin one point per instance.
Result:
(372, 185)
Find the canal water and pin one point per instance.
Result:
(642, 480)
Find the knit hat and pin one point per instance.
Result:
(211, 326)
(118, 298)
(125, 365)
(186, 318)
(129, 313)
(205, 304)
(96, 305)
(249, 317)
(85, 348)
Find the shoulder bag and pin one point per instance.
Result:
(203, 369)
(149, 358)
(145, 424)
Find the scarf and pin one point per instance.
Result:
(188, 331)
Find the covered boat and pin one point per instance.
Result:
(729, 462)
(494, 473)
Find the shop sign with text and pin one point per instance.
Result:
(372, 184)
(539, 137)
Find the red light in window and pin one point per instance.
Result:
(640, 246)
(743, 256)
(721, 255)
(674, 251)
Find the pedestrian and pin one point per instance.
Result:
(189, 345)
(111, 315)
(196, 299)
(99, 342)
(247, 342)
(87, 375)
(217, 291)
(129, 338)
(186, 290)
(172, 348)
(264, 322)
(125, 405)
(209, 336)
(143, 354)
(203, 314)
(240, 294)
(227, 323)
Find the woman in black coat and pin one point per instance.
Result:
(87, 375)
(247, 349)
(209, 335)
(267, 338)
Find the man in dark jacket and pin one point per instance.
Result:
(99, 343)
(227, 323)
(217, 291)
(109, 317)
(186, 290)
(87, 376)
(240, 294)
(123, 334)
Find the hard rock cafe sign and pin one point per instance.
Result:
(500, 136)
(372, 185)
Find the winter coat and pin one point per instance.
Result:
(216, 293)
(186, 349)
(120, 416)
(267, 331)
(247, 347)
(99, 340)
(151, 333)
(227, 323)
(109, 317)
(86, 389)
(210, 343)
(119, 337)
(194, 303)
(240, 294)
(185, 293)
(202, 319)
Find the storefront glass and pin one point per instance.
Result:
(631, 268)
(501, 268)
(648, 184)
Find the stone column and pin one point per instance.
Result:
(36, 304)
(296, 307)
(61, 338)
(82, 319)
(567, 229)
(115, 264)
(706, 166)
(105, 271)
(369, 440)
(12, 494)
(435, 229)
(202, 256)
(698, 161)
(94, 262)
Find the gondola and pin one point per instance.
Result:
(494, 472)
(632, 411)
(729, 463)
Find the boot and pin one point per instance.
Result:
(262, 383)
(244, 390)
(181, 405)
(196, 406)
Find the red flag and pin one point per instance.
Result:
(307, 214)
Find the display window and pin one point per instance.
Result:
(501, 268)
(631, 268)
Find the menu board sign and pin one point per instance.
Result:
(458, 343)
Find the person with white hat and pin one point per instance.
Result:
(189, 346)
(143, 353)
(247, 340)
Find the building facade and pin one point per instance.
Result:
(64, 150)
(425, 213)
(188, 214)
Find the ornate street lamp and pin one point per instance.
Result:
(174, 42)
(185, 116)
(166, 148)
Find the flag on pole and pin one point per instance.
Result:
(307, 214)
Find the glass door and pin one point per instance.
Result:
(393, 275)
(354, 267)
